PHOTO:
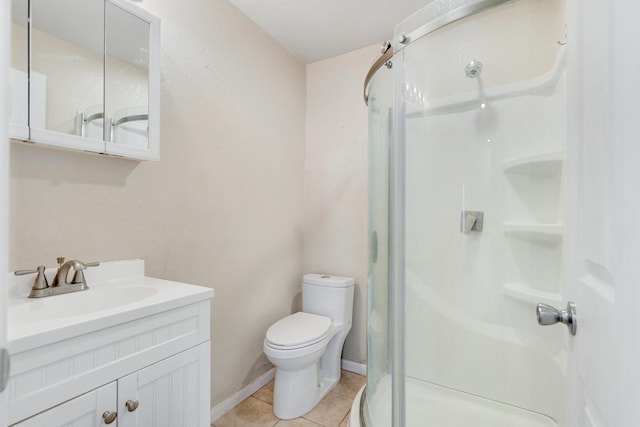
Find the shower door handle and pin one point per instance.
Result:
(548, 315)
(4, 368)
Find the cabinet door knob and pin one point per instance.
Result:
(109, 417)
(132, 405)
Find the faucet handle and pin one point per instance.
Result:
(24, 272)
(78, 275)
(60, 261)
(83, 265)
(40, 281)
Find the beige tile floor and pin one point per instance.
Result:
(332, 411)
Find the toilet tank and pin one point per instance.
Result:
(330, 296)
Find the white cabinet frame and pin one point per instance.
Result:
(52, 139)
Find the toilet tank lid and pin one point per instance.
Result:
(328, 280)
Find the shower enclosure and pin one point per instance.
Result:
(468, 137)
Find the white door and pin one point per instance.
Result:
(4, 189)
(604, 208)
(171, 393)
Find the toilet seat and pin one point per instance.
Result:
(298, 330)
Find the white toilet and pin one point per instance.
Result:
(306, 347)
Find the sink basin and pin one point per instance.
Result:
(119, 292)
(74, 304)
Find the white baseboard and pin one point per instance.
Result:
(228, 404)
(355, 367)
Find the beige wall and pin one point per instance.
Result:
(335, 206)
(224, 206)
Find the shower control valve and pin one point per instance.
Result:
(471, 221)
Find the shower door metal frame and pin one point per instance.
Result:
(396, 281)
(403, 37)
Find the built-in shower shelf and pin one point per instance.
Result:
(535, 232)
(545, 164)
(526, 293)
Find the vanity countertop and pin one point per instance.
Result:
(118, 292)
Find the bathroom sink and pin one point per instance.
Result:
(119, 292)
(91, 301)
(90, 347)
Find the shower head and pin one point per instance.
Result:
(473, 69)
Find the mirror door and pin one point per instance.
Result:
(67, 72)
(127, 42)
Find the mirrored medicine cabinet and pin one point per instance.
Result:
(85, 75)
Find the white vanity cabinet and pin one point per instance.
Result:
(172, 393)
(148, 361)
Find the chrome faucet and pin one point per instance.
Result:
(61, 284)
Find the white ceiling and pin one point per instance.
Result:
(318, 29)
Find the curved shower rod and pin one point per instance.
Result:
(387, 54)
(457, 13)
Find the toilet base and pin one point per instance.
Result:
(297, 392)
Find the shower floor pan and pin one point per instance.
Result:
(432, 405)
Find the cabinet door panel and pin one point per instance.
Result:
(171, 393)
(83, 411)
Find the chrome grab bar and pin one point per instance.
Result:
(387, 54)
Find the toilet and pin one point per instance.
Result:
(306, 347)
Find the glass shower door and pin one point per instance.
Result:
(480, 125)
(467, 218)
(375, 410)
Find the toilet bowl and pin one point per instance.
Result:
(306, 347)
